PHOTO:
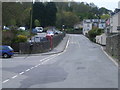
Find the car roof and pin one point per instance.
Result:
(3, 46)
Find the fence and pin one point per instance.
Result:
(113, 45)
(37, 47)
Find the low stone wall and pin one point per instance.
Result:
(113, 45)
(37, 47)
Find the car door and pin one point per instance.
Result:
(0, 51)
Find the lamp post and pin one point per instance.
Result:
(31, 12)
(63, 27)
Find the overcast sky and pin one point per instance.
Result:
(109, 4)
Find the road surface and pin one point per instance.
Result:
(82, 65)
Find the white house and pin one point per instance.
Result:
(88, 24)
(101, 39)
(115, 21)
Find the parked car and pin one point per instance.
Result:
(39, 29)
(22, 28)
(50, 33)
(34, 31)
(6, 28)
(6, 51)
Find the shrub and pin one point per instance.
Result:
(93, 33)
(20, 38)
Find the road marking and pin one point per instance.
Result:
(27, 70)
(14, 76)
(110, 57)
(36, 65)
(44, 61)
(5, 81)
(32, 67)
(21, 73)
(46, 58)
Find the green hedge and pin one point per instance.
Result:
(94, 32)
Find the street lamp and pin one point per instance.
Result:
(63, 26)
(31, 12)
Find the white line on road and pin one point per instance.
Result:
(5, 81)
(21, 73)
(110, 57)
(14, 76)
(44, 61)
(27, 70)
(46, 58)
(32, 67)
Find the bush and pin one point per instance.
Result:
(93, 33)
(74, 31)
(20, 38)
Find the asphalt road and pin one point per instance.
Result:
(82, 65)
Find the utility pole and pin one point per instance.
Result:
(31, 14)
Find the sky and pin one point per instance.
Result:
(109, 4)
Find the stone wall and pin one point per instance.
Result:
(37, 47)
(113, 45)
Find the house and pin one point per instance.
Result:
(114, 21)
(89, 24)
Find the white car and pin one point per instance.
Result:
(39, 29)
(50, 33)
(21, 28)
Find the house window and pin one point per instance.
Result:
(88, 25)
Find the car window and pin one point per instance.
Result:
(10, 48)
(7, 48)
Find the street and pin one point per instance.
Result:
(82, 64)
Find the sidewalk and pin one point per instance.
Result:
(60, 48)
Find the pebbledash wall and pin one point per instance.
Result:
(37, 47)
(113, 45)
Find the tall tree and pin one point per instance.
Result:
(39, 13)
(51, 11)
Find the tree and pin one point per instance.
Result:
(36, 23)
(67, 18)
(39, 13)
(105, 16)
(51, 11)
(15, 13)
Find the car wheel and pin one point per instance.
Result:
(5, 55)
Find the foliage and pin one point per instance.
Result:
(36, 23)
(66, 18)
(82, 10)
(74, 31)
(93, 33)
(45, 13)
(14, 13)
(106, 16)
(20, 38)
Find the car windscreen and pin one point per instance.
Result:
(7, 48)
